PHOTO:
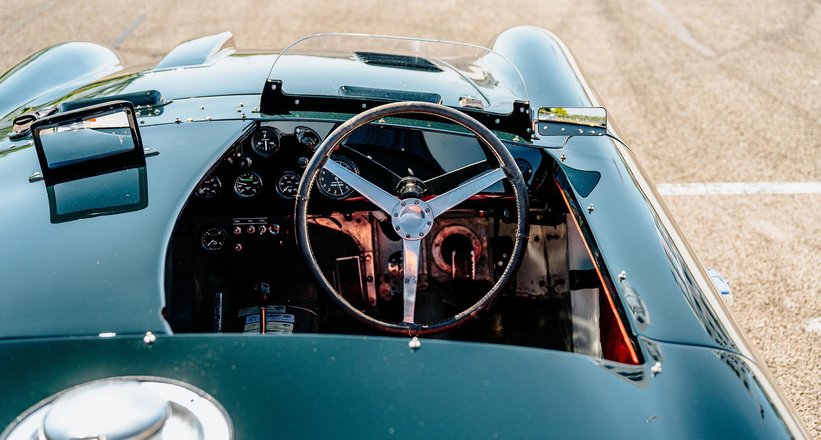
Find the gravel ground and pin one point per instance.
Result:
(703, 92)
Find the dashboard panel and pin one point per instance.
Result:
(235, 238)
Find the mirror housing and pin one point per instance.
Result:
(88, 141)
(572, 121)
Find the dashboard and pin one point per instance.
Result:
(233, 249)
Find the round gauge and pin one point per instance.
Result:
(333, 187)
(247, 185)
(265, 141)
(287, 184)
(209, 188)
(307, 138)
(213, 239)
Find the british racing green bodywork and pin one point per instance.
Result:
(63, 284)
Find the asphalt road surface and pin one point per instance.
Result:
(703, 91)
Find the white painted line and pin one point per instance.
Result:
(814, 325)
(127, 32)
(681, 30)
(698, 189)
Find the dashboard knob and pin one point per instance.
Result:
(302, 162)
(237, 230)
(251, 229)
(273, 229)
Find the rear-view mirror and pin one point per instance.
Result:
(572, 121)
(88, 141)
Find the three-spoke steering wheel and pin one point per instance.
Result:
(412, 218)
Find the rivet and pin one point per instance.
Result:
(396, 214)
(414, 343)
(296, 102)
(149, 338)
(403, 203)
(208, 118)
(429, 223)
(656, 369)
(427, 209)
(239, 110)
(622, 276)
(244, 116)
(202, 107)
(421, 234)
(416, 202)
(397, 228)
(563, 157)
(407, 235)
(241, 104)
(364, 105)
(496, 121)
(590, 208)
(189, 120)
(273, 86)
(177, 120)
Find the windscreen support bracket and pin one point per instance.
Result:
(275, 101)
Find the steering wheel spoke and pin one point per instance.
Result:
(443, 202)
(410, 258)
(378, 196)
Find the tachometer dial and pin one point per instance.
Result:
(247, 185)
(266, 141)
(209, 188)
(333, 187)
(287, 184)
(213, 239)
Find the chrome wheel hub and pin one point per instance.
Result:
(412, 218)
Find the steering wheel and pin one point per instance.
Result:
(412, 218)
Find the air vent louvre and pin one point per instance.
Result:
(397, 61)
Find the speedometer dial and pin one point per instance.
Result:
(287, 184)
(247, 185)
(333, 187)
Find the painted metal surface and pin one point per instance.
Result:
(51, 73)
(117, 264)
(198, 52)
(101, 274)
(372, 387)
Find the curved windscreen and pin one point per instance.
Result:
(395, 68)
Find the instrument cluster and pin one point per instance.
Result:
(268, 165)
(258, 178)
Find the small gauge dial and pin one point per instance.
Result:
(209, 188)
(213, 239)
(333, 187)
(266, 141)
(307, 138)
(287, 184)
(247, 185)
